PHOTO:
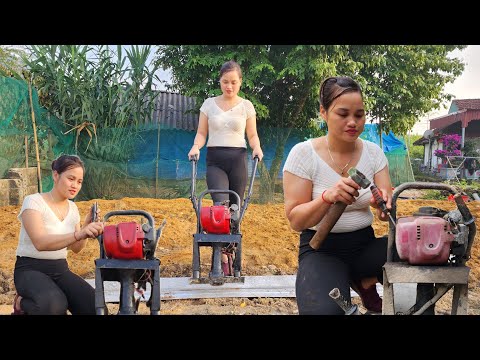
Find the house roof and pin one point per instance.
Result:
(465, 116)
(461, 110)
(461, 104)
(464, 110)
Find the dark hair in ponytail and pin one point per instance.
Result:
(335, 86)
(231, 66)
(65, 162)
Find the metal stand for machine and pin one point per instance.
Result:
(127, 273)
(217, 242)
(442, 278)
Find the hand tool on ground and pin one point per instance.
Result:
(347, 306)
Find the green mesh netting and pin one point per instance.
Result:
(399, 167)
(16, 130)
(145, 161)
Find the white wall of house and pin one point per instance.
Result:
(426, 154)
(429, 151)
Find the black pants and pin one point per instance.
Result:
(227, 170)
(48, 287)
(343, 257)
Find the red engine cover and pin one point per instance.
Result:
(215, 219)
(123, 241)
(423, 240)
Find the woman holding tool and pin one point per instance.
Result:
(315, 177)
(50, 225)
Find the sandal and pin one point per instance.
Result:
(17, 311)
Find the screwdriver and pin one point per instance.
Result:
(380, 202)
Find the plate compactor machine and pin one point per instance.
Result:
(127, 255)
(218, 226)
(428, 248)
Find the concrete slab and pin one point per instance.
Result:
(181, 288)
(404, 296)
(281, 286)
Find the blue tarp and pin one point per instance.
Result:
(390, 142)
(175, 144)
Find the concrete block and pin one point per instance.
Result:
(4, 185)
(14, 183)
(30, 190)
(16, 196)
(31, 177)
(4, 194)
(27, 175)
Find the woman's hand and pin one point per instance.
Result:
(91, 230)
(345, 190)
(257, 152)
(388, 200)
(194, 152)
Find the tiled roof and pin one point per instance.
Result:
(467, 104)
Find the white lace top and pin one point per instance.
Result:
(227, 128)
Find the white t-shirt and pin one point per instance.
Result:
(227, 128)
(304, 162)
(52, 224)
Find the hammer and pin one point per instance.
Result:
(335, 211)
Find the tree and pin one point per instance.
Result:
(415, 151)
(400, 83)
(405, 82)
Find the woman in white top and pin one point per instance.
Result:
(225, 119)
(50, 225)
(315, 177)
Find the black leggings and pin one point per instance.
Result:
(227, 170)
(48, 287)
(343, 257)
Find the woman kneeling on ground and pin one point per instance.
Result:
(50, 225)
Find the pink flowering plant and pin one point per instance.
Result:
(451, 146)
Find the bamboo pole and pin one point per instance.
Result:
(39, 177)
(26, 152)
(156, 161)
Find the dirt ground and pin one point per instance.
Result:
(270, 247)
